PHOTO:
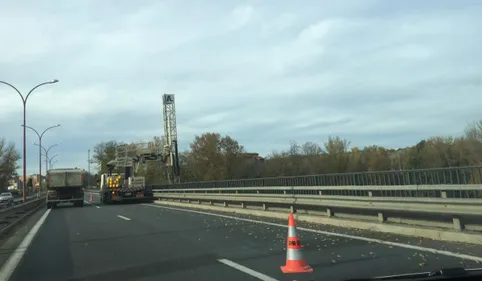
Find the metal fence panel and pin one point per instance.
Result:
(454, 175)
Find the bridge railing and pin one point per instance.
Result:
(445, 198)
(438, 176)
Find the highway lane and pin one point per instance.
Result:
(150, 242)
(95, 244)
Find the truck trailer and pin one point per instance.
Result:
(65, 186)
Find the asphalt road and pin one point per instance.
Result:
(151, 242)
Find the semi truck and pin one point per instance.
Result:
(65, 186)
(122, 185)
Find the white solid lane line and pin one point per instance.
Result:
(124, 218)
(87, 202)
(97, 207)
(247, 270)
(371, 240)
(15, 258)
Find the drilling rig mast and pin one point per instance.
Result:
(170, 135)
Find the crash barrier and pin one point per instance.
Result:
(19, 200)
(9, 217)
(450, 207)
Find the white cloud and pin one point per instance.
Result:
(278, 24)
(265, 72)
(241, 16)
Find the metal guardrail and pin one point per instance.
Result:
(16, 201)
(12, 215)
(458, 205)
(455, 175)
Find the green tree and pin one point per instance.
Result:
(103, 153)
(338, 157)
(214, 157)
(8, 163)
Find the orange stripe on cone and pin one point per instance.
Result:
(291, 220)
(295, 263)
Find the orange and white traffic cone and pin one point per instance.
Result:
(295, 263)
(91, 198)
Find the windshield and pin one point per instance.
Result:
(239, 139)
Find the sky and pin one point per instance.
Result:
(264, 72)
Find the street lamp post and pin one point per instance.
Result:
(40, 136)
(52, 164)
(89, 161)
(52, 158)
(24, 100)
(46, 151)
(88, 167)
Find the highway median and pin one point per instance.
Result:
(12, 216)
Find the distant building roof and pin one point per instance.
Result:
(253, 155)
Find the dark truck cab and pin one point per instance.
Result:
(65, 186)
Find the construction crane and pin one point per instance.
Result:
(170, 135)
(128, 157)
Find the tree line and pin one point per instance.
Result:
(212, 156)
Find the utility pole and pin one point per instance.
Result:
(88, 163)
